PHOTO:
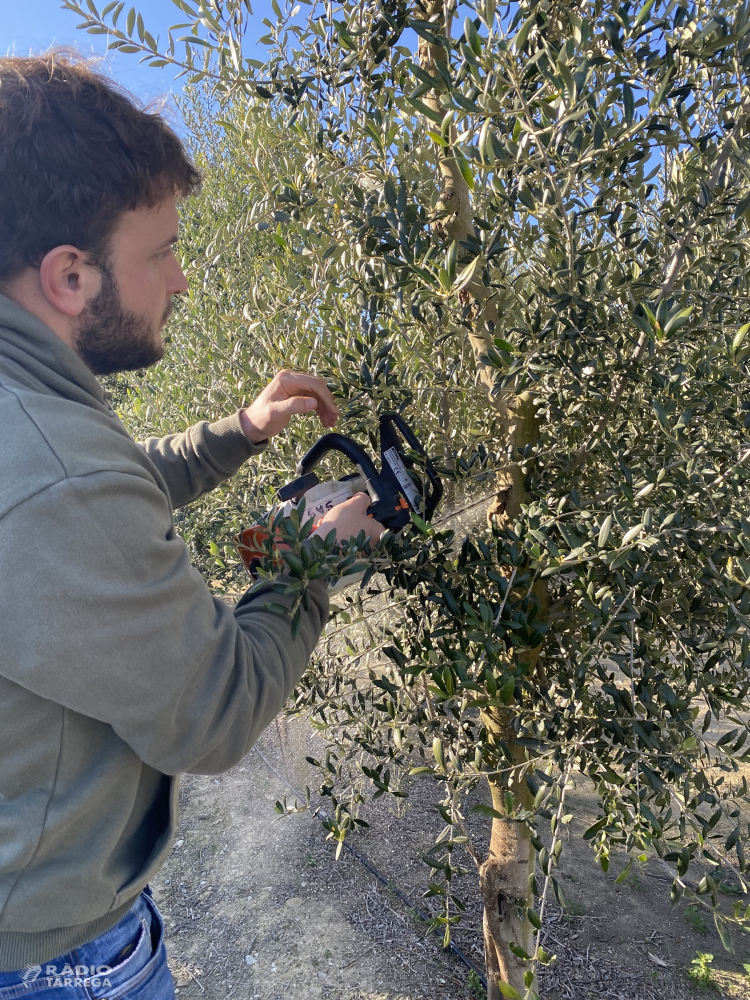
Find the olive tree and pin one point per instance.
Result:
(526, 224)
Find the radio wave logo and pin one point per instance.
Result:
(31, 973)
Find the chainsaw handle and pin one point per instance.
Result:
(379, 490)
(337, 442)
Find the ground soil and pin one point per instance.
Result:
(257, 908)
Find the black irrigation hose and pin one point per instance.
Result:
(423, 916)
(379, 876)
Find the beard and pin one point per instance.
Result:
(111, 338)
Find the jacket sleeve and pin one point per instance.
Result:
(202, 457)
(101, 611)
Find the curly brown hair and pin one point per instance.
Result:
(76, 152)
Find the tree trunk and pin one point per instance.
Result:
(522, 429)
(506, 876)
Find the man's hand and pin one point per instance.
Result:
(349, 518)
(286, 394)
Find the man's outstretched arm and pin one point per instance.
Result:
(205, 455)
(111, 621)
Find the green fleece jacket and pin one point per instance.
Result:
(118, 669)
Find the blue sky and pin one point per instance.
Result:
(34, 25)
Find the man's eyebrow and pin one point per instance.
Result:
(170, 242)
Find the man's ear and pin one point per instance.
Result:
(68, 280)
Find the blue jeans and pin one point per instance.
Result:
(127, 962)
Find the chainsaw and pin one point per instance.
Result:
(396, 492)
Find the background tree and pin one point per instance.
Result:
(527, 228)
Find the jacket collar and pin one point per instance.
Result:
(31, 354)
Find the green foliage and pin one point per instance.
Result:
(600, 152)
(475, 985)
(700, 972)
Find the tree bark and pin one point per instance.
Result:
(505, 877)
(521, 429)
(454, 216)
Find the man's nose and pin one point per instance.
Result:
(178, 283)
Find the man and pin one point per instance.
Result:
(118, 670)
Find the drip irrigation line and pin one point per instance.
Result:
(379, 875)
(423, 916)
